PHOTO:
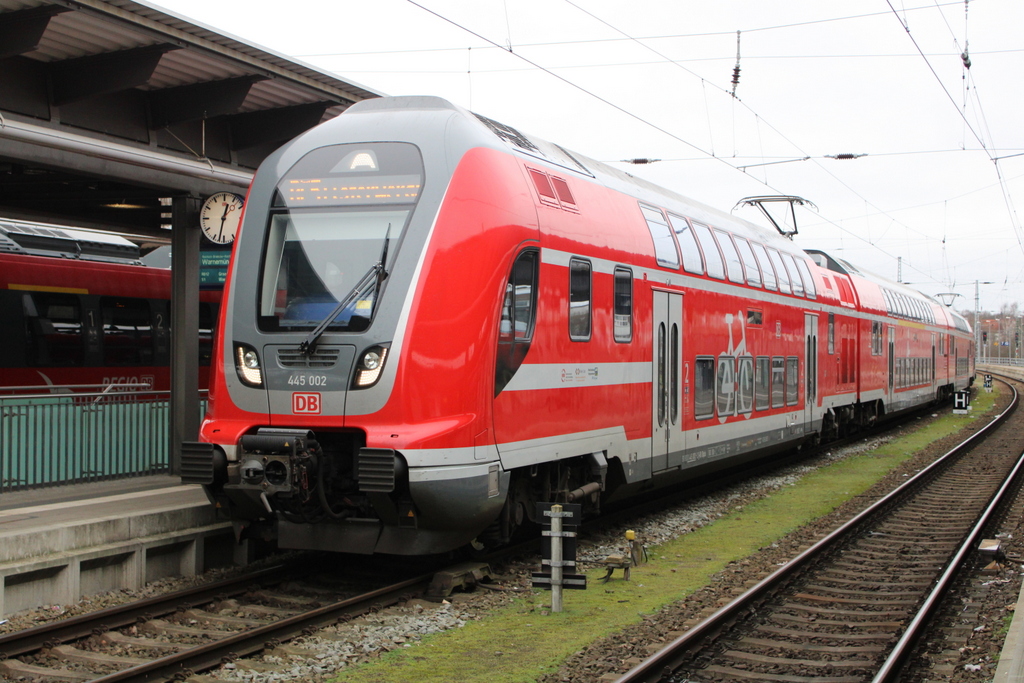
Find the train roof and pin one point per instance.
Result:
(486, 132)
(40, 239)
(507, 138)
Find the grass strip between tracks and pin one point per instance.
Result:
(522, 642)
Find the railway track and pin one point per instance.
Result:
(850, 608)
(171, 636)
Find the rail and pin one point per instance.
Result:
(73, 436)
(661, 665)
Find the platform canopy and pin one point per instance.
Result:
(108, 106)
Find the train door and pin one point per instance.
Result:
(932, 377)
(891, 350)
(811, 353)
(667, 441)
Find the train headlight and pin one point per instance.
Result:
(247, 364)
(371, 360)
(371, 363)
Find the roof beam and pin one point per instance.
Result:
(199, 101)
(249, 56)
(110, 72)
(274, 125)
(21, 31)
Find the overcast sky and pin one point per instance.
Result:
(939, 183)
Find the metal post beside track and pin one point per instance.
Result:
(561, 552)
(556, 558)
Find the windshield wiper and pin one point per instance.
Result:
(377, 274)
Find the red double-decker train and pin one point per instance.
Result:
(434, 321)
(82, 312)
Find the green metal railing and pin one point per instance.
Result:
(63, 438)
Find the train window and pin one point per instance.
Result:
(725, 388)
(328, 230)
(778, 382)
(127, 332)
(780, 271)
(831, 333)
(664, 243)
(805, 272)
(673, 374)
(876, 338)
(660, 371)
(579, 299)
(767, 271)
(623, 313)
(733, 266)
(792, 380)
(762, 383)
(712, 257)
(745, 385)
(692, 260)
(798, 285)
(518, 312)
(754, 316)
(749, 261)
(53, 329)
(316, 260)
(704, 388)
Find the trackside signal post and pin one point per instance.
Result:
(962, 402)
(561, 552)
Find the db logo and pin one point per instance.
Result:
(306, 404)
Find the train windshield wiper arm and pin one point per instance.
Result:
(377, 272)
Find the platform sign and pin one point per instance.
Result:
(213, 268)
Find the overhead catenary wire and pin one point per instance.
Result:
(754, 113)
(1007, 199)
(672, 36)
(669, 133)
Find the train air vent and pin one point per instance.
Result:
(562, 189)
(376, 470)
(196, 463)
(323, 357)
(508, 133)
(543, 183)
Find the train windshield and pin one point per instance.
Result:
(331, 216)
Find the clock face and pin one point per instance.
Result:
(220, 216)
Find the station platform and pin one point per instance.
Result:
(62, 543)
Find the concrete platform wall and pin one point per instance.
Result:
(56, 554)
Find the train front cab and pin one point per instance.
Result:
(372, 434)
